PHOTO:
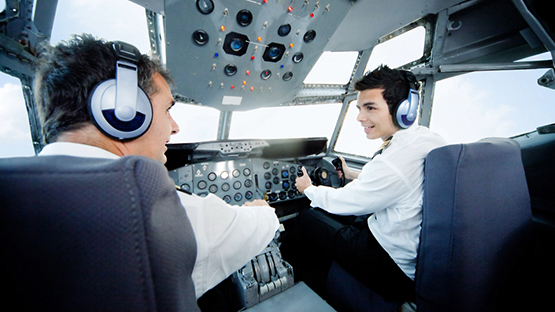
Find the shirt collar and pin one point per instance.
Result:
(76, 150)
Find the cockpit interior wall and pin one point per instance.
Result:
(239, 54)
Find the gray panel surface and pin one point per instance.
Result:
(297, 298)
(199, 69)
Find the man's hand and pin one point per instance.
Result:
(349, 174)
(303, 182)
(257, 203)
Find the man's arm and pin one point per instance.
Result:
(227, 236)
(376, 188)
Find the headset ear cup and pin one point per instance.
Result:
(101, 105)
(405, 113)
(400, 111)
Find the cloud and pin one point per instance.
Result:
(15, 123)
(15, 136)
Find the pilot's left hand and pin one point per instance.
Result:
(303, 182)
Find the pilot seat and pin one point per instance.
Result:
(476, 243)
(82, 234)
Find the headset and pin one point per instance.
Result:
(119, 107)
(404, 114)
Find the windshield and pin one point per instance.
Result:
(285, 122)
(491, 104)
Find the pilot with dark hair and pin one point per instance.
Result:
(379, 247)
(227, 236)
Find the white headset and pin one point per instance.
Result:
(119, 107)
(405, 113)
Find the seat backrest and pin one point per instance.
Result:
(81, 234)
(476, 240)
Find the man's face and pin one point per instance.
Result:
(152, 144)
(374, 115)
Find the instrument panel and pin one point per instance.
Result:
(240, 180)
(240, 55)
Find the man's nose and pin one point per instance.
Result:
(361, 117)
(175, 127)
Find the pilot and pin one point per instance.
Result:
(379, 247)
(227, 236)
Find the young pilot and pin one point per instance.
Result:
(381, 250)
(66, 77)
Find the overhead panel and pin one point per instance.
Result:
(239, 55)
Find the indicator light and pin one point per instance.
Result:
(252, 57)
(291, 45)
(311, 14)
(222, 28)
(244, 82)
(216, 54)
(252, 88)
(290, 9)
(265, 1)
(248, 72)
(232, 87)
(259, 38)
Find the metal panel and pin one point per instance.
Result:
(198, 69)
(368, 20)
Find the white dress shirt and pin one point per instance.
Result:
(227, 236)
(391, 187)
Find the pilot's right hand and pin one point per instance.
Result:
(349, 174)
(302, 182)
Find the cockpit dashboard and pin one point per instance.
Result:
(238, 171)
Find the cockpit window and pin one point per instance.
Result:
(124, 20)
(285, 122)
(399, 50)
(15, 134)
(352, 139)
(333, 68)
(196, 123)
(491, 104)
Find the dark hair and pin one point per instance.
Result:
(395, 84)
(67, 73)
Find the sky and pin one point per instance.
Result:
(466, 108)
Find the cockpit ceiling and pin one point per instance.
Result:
(240, 55)
(369, 20)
